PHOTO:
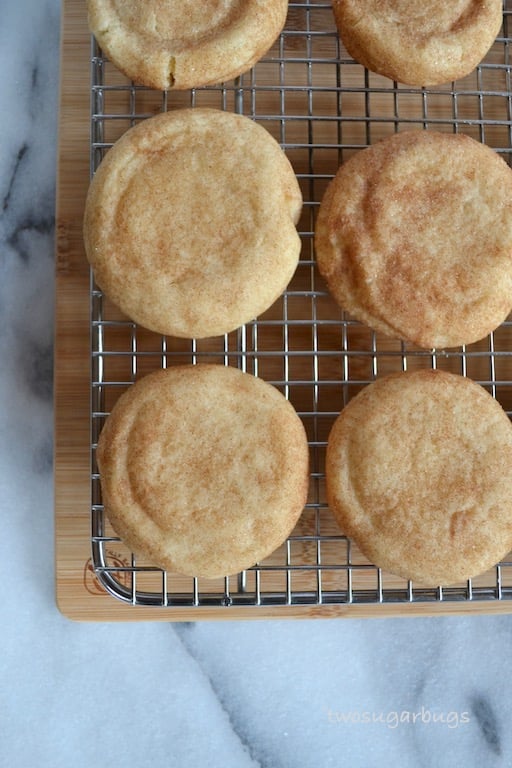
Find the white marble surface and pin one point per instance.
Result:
(269, 694)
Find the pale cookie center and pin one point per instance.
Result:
(428, 18)
(188, 229)
(179, 22)
(195, 461)
(433, 237)
(410, 462)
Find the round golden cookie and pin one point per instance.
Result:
(418, 44)
(414, 238)
(204, 469)
(419, 472)
(185, 43)
(190, 222)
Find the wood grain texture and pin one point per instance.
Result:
(79, 595)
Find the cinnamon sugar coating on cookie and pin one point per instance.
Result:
(185, 44)
(414, 238)
(421, 44)
(419, 471)
(204, 469)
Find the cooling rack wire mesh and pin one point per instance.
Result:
(321, 107)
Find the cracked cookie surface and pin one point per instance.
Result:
(179, 44)
(190, 222)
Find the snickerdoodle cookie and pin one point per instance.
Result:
(185, 43)
(204, 469)
(419, 472)
(418, 44)
(414, 238)
(190, 222)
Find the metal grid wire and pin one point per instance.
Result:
(322, 107)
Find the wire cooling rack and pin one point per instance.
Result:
(322, 107)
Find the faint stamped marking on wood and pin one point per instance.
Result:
(114, 560)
